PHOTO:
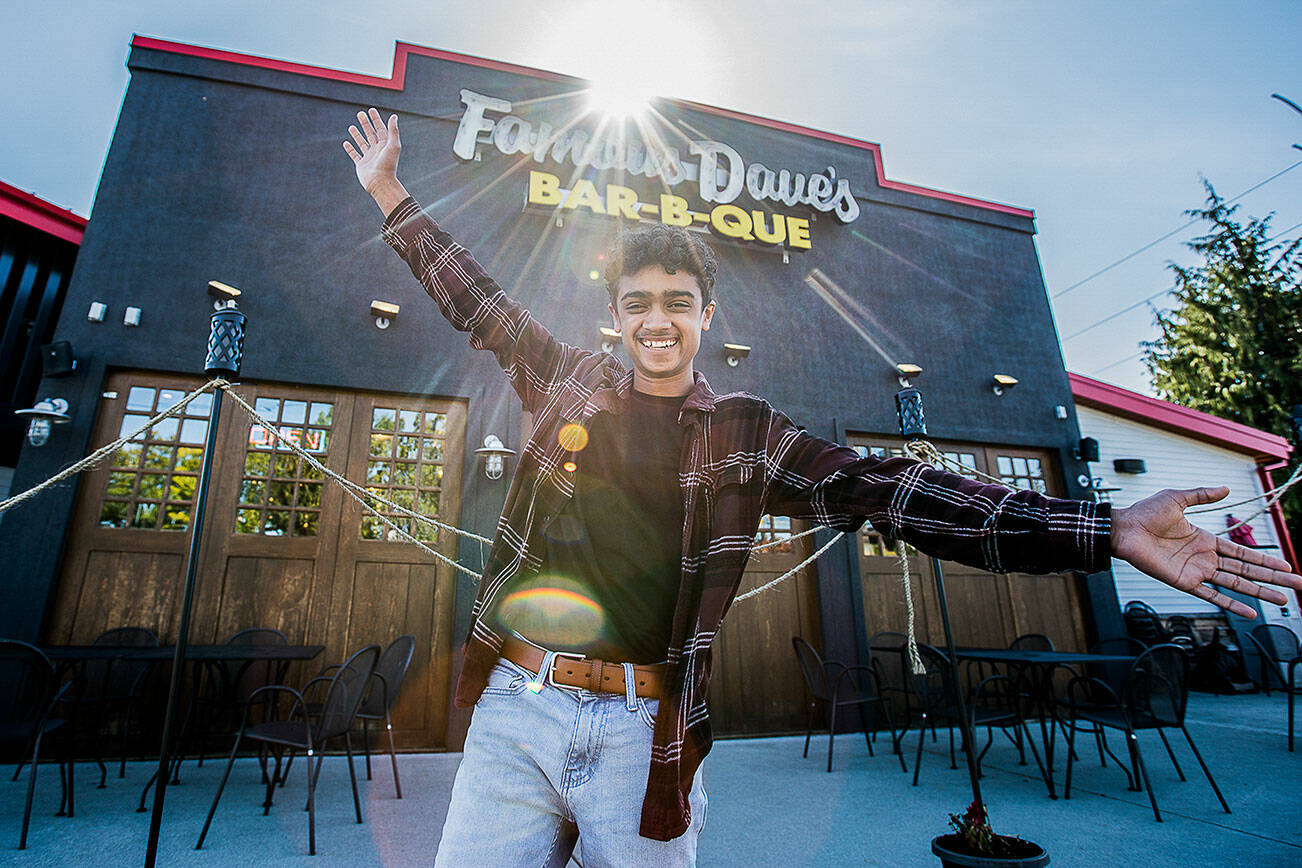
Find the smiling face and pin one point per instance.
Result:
(660, 319)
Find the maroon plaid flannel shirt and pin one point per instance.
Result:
(741, 459)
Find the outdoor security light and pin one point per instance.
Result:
(495, 454)
(43, 416)
(384, 312)
(609, 339)
(1003, 382)
(735, 353)
(907, 371)
(223, 294)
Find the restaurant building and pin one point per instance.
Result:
(229, 167)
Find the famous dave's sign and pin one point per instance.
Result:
(716, 172)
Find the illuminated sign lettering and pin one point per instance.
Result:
(720, 172)
(730, 221)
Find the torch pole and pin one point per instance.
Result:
(225, 349)
(913, 426)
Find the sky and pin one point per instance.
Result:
(1103, 117)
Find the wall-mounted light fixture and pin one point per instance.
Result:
(907, 371)
(223, 294)
(1129, 465)
(97, 311)
(131, 317)
(609, 339)
(385, 312)
(46, 413)
(734, 353)
(495, 453)
(1002, 383)
(1087, 449)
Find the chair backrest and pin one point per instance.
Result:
(393, 669)
(27, 684)
(118, 678)
(811, 666)
(1158, 684)
(888, 649)
(1113, 674)
(246, 677)
(934, 688)
(1143, 623)
(346, 691)
(1031, 642)
(1278, 641)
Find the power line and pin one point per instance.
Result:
(1109, 367)
(1175, 231)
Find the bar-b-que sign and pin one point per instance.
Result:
(718, 170)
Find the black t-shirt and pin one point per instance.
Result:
(612, 559)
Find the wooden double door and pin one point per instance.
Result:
(986, 609)
(756, 686)
(283, 546)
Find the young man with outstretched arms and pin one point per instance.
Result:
(638, 496)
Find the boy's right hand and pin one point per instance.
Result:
(375, 157)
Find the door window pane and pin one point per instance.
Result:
(406, 470)
(280, 494)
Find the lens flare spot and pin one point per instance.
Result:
(573, 437)
(553, 615)
(570, 467)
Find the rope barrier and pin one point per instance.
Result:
(105, 451)
(791, 572)
(915, 659)
(786, 539)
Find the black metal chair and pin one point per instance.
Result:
(29, 692)
(1278, 646)
(835, 685)
(1031, 642)
(931, 697)
(1007, 702)
(385, 685)
(1153, 695)
(299, 730)
(229, 685)
(112, 683)
(1144, 624)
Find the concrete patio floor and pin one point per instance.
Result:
(768, 806)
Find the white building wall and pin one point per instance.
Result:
(1175, 461)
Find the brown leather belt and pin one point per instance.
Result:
(574, 670)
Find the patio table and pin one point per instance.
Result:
(1041, 664)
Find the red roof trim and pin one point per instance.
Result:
(397, 77)
(39, 214)
(1182, 420)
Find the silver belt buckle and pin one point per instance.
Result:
(551, 669)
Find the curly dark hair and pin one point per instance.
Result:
(671, 247)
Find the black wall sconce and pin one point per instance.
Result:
(1086, 450)
(906, 372)
(1129, 465)
(1002, 383)
(385, 312)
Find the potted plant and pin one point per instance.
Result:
(973, 844)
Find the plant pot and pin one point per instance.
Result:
(955, 858)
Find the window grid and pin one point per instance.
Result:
(405, 466)
(775, 529)
(280, 493)
(152, 482)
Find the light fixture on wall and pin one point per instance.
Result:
(223, 294)
(385, 312)
(495, 453)
(1002, 383)
(609, 339)
(1086, 450)
(46, 413)
(734, 353)
(907, 371)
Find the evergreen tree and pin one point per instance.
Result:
(1232, 345)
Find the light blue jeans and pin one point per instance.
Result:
(542, 768)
